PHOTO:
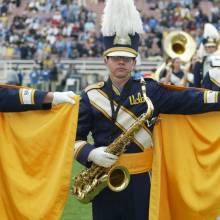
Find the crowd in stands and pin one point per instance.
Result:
(46, 30)
(68, 29)
(42, 76)
(186, 15)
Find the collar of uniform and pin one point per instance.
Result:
(117, 90)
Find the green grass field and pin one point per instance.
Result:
(75, 210)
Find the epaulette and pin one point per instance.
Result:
(94, 86)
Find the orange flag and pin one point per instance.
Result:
(186, 168)
(36, 154)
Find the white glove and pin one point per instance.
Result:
(101, 158)
(61, 97)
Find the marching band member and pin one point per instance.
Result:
(109, 108)
(212, 77)
(175, 74)
(207, 48)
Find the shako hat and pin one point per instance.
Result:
(121, 26)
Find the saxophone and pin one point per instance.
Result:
(90, 182)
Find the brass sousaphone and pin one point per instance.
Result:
(177, 44)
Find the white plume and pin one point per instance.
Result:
(210, 31)
(121, 18)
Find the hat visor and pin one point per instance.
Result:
(120, 54)
(210, 44)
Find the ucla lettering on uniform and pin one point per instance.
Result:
(136, 99)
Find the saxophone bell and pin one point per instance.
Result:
(118, 178)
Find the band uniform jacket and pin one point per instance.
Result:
(95, 117)
(212, 80)
(177, 78)
(200, 69)
(21, 99)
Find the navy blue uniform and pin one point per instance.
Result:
(177, 78)
(11, 100)
(198, 75)
(200, 69)
(133, 202)
(212, 80)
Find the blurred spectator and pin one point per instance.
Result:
(12, 77)
(34, 76)
(20, 75)
(72, 80)
(53, 76)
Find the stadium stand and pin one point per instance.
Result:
(40, 32)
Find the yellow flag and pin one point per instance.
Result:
(186, 168)
(36, 153)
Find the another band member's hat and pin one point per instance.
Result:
(211, 35)
(121, 26)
